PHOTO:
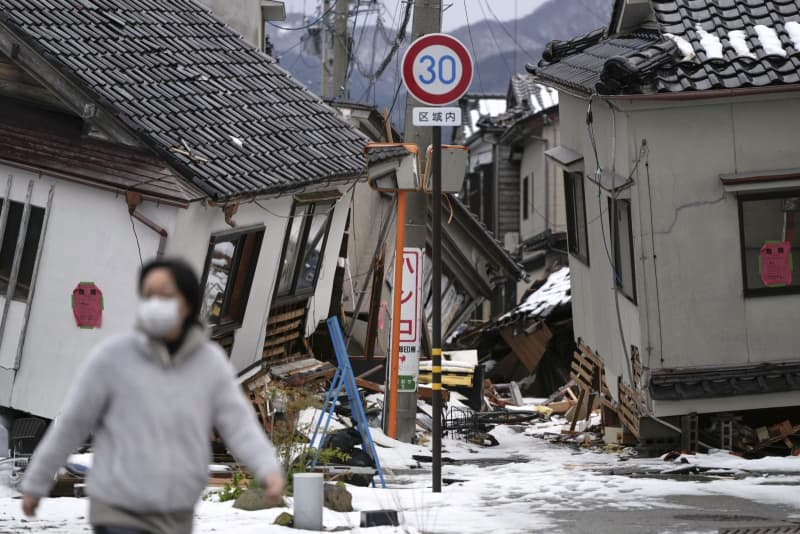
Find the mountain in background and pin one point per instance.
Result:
(499, 55)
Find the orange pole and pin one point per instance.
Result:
(397, 292)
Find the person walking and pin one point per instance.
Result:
(151, 399)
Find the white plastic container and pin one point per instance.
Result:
(309, 497)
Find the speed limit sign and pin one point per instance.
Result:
(437, 69)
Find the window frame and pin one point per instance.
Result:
(569, 193)
(761, 291)
(615, 248)
(293, 294)
(526, 191)
(41, 215)
(236, 235)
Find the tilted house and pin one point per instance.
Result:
(474, 263)
(679, 155)
(133, 128)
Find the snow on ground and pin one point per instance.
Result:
(526, 483)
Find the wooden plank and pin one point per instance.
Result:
(528, 348)
(370, 385)
(272, 342)
(273, 352)
(286, 316)
(285, 327)
(577, 411)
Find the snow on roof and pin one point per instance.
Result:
(683, 45)
(553, 294)
(738, 39)
(769, 40)
(485, 107)
(544, 98)
(793, 29)
(710, 42)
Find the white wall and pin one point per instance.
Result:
(698, 314)
(593, 297)
(243, 16)
(546, 187)
(89, 238)
(191, 239)
(705, 317)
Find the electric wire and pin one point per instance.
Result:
(308, 25)
(513, 38)
(494, 39)
(138, 245)
(472, 44)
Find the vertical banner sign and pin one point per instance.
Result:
(775, 263)
(410, 327)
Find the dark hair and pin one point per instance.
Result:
(185, 279)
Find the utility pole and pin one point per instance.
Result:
(324, 77)
(427, 19)
(340, 50)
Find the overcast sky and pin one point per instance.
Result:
(456, 15)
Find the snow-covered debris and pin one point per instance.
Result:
(710, 42)
(555, 292)
(738, 41)
(769, 40)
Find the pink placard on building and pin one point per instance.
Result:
(775, 263)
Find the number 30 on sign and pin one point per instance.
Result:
(437, 69)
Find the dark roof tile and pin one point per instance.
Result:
(650, 61)
(173, 73)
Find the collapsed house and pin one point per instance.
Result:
(150, 128)
(679, 164)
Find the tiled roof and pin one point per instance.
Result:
(527, 93)
(710, 382)
(484, 236)
(553, 296)
(225, 115)
(698, 45)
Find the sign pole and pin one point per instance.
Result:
(394, 373)
(436, 289)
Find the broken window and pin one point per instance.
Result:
(8, 250)
(622, 243)
(768, 226)
(303, 248)
(228, 275)
(577, 233)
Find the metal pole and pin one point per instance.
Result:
(390, 425)
(436, 289)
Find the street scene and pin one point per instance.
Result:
(399, 266)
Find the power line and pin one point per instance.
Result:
(472, 43)
(307, 26)
(496, 43)
(513, 37)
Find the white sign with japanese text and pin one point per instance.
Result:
(437, 116)
(410, 328)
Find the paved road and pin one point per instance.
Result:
(706, 514)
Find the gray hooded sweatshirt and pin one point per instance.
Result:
(151, 415)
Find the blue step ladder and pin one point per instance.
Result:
(344, 378)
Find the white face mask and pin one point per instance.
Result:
(158, 316)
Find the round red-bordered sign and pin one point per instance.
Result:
(426, 53)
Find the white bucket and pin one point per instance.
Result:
(309, 497)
